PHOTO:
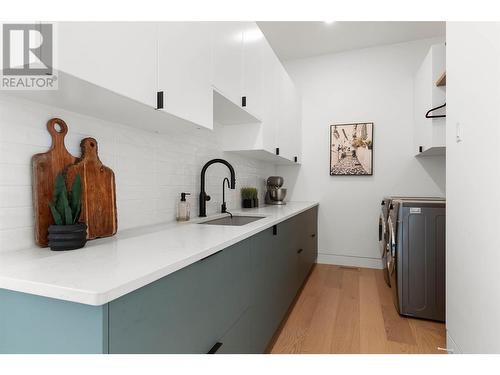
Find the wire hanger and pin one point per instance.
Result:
(433, 109)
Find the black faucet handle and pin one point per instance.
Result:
(207, 197)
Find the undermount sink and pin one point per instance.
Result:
(235, 220)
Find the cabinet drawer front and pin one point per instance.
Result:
(237, 339)
(185, 312)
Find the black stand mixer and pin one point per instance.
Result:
(275, 194)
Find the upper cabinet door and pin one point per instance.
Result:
(184, 70)
(270, 99)
(254, 51)
(285, 126)
(289, 121)
(227, 49)
(118, 56)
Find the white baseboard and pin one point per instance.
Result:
(451, 345)
(350, 261)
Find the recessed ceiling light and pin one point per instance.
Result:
(251, 35)
(329, 22)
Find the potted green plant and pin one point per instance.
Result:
(67, 233)
(247, 195)
(255, 197)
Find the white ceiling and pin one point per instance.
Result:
(295, 40)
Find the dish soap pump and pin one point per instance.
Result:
(183, 209)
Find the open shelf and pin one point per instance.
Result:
(432, 151)
(264, 155)
(441, 80)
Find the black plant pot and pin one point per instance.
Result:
(256, 202)
(67, 237)
(247, 203)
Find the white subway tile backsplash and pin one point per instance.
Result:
(15, 196)
(15, 175)
(16, 217)
(16, 239)
(151, 170)
(17, 153)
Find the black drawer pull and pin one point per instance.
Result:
(275, 230)
(299, 251)
(313, 235)
(211, 255)
(159, 100)
(215, 348)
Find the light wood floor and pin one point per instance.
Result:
(350, 310)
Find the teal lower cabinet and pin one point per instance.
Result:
(188, 311)
(237, 340)
(266, 302)
(230, 302)
(32, 324)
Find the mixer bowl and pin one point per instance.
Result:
(278, 194)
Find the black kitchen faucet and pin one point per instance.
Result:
(203, 195)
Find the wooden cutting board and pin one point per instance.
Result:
(98, 191)
(46, 167)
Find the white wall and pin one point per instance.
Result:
(151, 170)
(473, 184)
(369, 85)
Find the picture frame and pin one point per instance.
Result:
(351, 149)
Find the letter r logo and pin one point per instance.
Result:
(27, 49)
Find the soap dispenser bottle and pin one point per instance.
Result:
(183, 209)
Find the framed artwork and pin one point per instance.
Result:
(351, 149)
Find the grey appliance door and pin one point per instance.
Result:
(391, 263)
(383, 236)
(384, 246)
(423, 261)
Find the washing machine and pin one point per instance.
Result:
(416, 257)
(386, 206)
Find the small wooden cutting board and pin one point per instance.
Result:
(46, 166)
(98, 191)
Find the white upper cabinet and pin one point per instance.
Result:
(203, 69)
(270, 96)
(270, 99)
(429, 133)
(255, 48)
(288, 126)
(227, 48)
(119, 56)
(184, 70)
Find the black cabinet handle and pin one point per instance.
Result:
(313, 235)
(299, 251)
(159, 100)
(215, 348)
(275, 230)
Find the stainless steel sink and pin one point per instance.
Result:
(235, 220)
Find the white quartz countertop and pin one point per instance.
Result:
(109, 268)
